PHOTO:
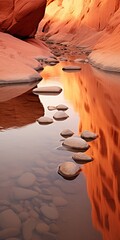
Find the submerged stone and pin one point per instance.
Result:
(66, 133)
(26, 180)
(9, 219)
(76, 143)
(71, 68)
(81, 158)
(19, 193)
(49, 212)
(62, 107)
(45, 120)
(60, 115)
(88, 136)
(42, 227)
(50, 90)
(68, 170)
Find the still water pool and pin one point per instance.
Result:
(35, 201)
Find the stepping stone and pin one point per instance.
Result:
(66, 133)
(76, 143)
(50, 90)
(79, 60)
(71, 68)
(69, 170)
(88, 136)
(45, 120)
(49, 212)
(26, 180)
(62, 107)
(51, 108)
(51, 60)
(81, 158)
(60, 115)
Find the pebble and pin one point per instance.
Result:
(26, 180)
(68, 170)
(45, 120)
(51, 108)
(59, 201)
(76, 143)
(60, 115)
(9, 219)
(33, 214)
(61, 107)
(28, 228)
(49, 212)
(50, 90)
(71, 68)
(88, 136)
(81, 158)
(9, 232)
(19, 193)
(42, 227)
(66, 133)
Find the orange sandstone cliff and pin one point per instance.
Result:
(92, 24)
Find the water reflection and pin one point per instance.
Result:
(95, 95)
(19, 111)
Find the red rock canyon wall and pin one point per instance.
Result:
(94, 24)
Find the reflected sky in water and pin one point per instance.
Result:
(93, 209)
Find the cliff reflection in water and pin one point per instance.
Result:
(17, 107)
(95, 96)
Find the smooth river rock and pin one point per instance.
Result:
(88, 136)
(76, 143)
(68, 170)
(45, 120)
(26, 180)
(49, 212)
(60, 115)
(66, 133)
(50, 90)
(19, 193)
(9, 219)
(59, 201)
(81, 158)
(61, 107)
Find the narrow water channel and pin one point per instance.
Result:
(87, 207)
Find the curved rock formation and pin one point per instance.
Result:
(21, 17)
(94, 25)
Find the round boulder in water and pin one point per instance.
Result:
(81, 158)
(71, 68)
(66, 133)
(62, 107)
(69, 170)
(88, 136)
(49, 90)
(60, 115)
(76, 143)
(45, 120)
